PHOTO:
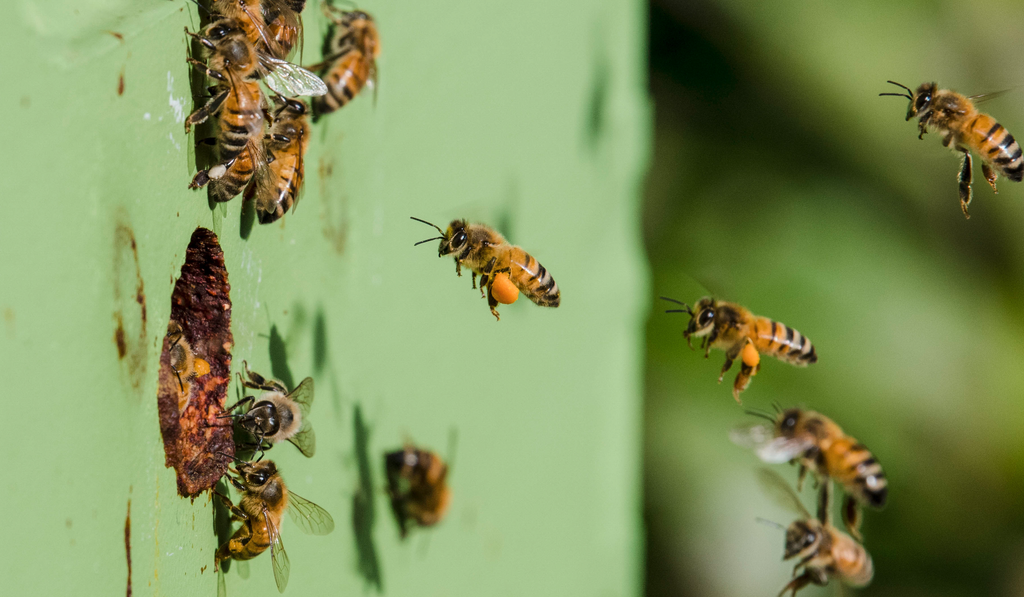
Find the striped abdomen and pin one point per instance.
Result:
(241, 119)
(854, 467)
(997, 146)
(345, 79)
(276, 198)
(782, 342)
(238, 174)
(249, 541)
(532, 279)
(853, 564)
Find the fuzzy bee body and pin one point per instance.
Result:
(734, 329)
(350, 61)
(965, 129)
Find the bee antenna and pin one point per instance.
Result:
(757, 413)
(428, 240)
(777, 406)
(898, 95)
(909, 90)
(770, 523)
(201, 7)
(231, 456)
(685, 309)
(428, 224)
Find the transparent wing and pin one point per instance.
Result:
(291, 80)
(309, 517)
(249, 99)
(303, 395)
(305, 440)
(984, 97)
(776, 488)
(753, 436)
(242, 566)
(781, 449)
(278, 556)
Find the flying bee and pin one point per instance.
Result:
(740, 333)
(417, 484)
(350, 59)
(820, 446)
(263, 503)
(277, 415)
(238, 99)
(963, 129)
(273, 27)
(486, 253)
(824, 551)
(185, 364)
(286, 144)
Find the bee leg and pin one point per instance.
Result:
(990, 176)
(474, 280)
(200, 115)
(815, 576)
(247, 400)
(800, 478)
(492, 303)
(725, 367)
(965, 181)
(852, 517)
(487, 277)
(740, 384)
(458, 268)
(921, 129)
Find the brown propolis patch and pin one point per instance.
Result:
(130, 336)
(195, 367)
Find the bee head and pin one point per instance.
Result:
(786, 422)
(702, 318)
(920, 100)
(452, 240)
(256, 474)
(802, 538)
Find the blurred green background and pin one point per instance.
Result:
(782, 181)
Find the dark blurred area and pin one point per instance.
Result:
(782, 181)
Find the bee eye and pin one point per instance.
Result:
(706, 316)
(259, 478)
(809, 539)
(789, 423)
(458, 240)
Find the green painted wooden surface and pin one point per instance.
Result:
(531, 116)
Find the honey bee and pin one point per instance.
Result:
(238, 99)
(820, 446)
(286, 145)
(273, 28)
(278, 415)
(825, 552)
(740, 333)
(263, 503)
(185, 364)
(350, 60)
(486, 252)
(227, 180)
(417, 484)
(964, 128)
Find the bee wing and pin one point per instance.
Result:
(752, 437)
(278, 556)
(305, 440)
(782, 449)
(776, 488)
(303, 395)
(291, 80)
(984, 97)
(250, 107)
(309, 517)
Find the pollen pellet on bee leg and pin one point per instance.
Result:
(503, 290)
(751, 357)
(201, 367)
